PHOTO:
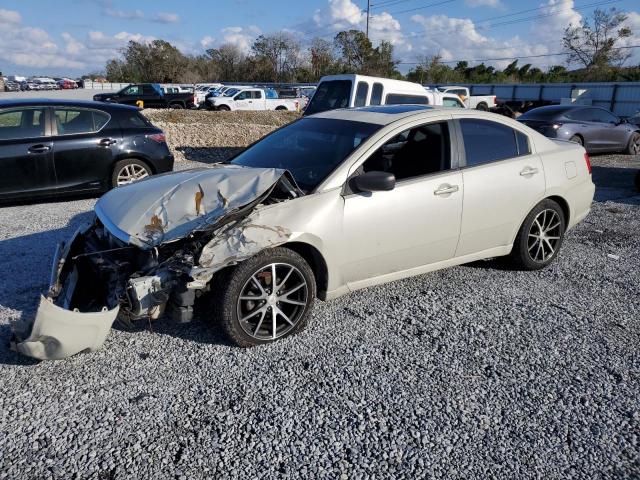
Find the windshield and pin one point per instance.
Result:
(329, 96)
(310, 149)
(231, 92)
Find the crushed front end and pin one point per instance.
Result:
(131, 268)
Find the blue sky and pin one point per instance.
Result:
(71, 37)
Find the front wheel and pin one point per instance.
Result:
(265, 298)
(223, 108)
(633, 148)
(576, 139)
(540, 237)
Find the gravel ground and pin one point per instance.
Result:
(471, 372)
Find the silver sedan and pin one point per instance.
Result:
(329, 204)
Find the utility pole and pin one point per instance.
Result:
(368, 9)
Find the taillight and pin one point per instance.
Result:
(157, 137)
(588, 162)
(495, 100)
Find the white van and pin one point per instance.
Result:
(347, 91)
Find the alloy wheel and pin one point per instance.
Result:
(131, 173)
(272, 301)
(544, 236)
(635, 145)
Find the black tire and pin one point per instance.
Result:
(483, 107)
(525, 247)
(119, 166)
(281, 108)
(176, 106)
(633, 147)
(223, 108)
(637, 180)
(230, 284)
(576, 139)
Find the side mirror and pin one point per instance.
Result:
(374, 182)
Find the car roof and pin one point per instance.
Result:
(50, 102)
(549, 110)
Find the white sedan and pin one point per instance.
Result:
(329, 204)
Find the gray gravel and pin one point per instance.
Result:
(470, 372)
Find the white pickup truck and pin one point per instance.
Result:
(479, 102)
(254, 99)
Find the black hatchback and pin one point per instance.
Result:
(56, 147)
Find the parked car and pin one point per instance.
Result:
(147, 95)
(201, 94)
(52, 147)
(66, 84)
(479, 102)
(251, 99)
(11, 86)
(596, 128)
(348, 91)
(326, 205)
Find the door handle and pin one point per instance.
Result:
(106, 142)
(528, 171)
(446, 189)
(39, 149)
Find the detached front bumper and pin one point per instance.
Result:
(59, 333)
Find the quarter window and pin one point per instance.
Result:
(486, 141)
(73, 121)
(414, 152)
(361, 94)
(399, 99)
(22, 123)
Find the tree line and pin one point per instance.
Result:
(596, 45)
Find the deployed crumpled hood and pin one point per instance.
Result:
(168, 207)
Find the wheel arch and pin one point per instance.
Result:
(317, 263)
(133, 156)
(564, 205)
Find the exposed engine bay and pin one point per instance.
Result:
(187, 226)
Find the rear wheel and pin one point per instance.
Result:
(281, 108)
(540, 237)
(482, 107)
(633, 148)
(128, 171)
(265, 298)
(176, 106)
(223, 108)
(576, 139)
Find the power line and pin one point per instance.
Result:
(514, 58)
(388, 2)
(421, 8)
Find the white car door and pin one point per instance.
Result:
(503, 181)
(242, 100)
(415, 224)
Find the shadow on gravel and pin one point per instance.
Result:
(209, 155)
(9, 357)
(615, 184)
(67, 197)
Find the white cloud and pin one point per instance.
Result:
(130, 15)
(165, 17)
(242, 37)
(207, 42)
(459, 39)
(9, 17)
(484, 3)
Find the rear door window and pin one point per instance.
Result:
(22, 123)
(486, 141)
(361, 94)
(71, 121)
